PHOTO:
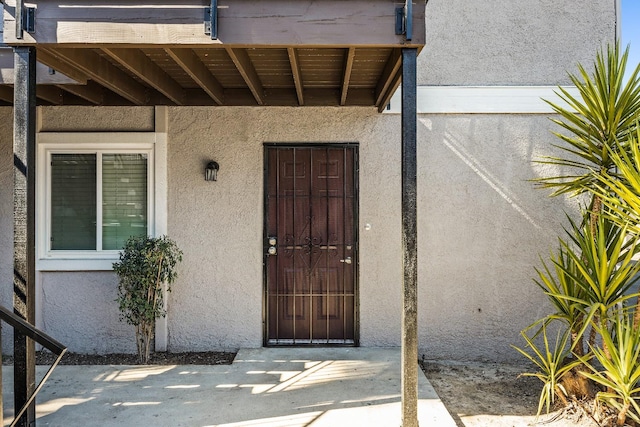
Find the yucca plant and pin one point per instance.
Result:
(566, 296)
(620, 371)
(605, 268)
(621, 191)
(604, 113)
(591, 278)
(595, 270)
(553, 364)
(605, 265)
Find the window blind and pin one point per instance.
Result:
(124, 198)
(73, 201)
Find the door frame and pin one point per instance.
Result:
(356, 256)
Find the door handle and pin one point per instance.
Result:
(347, 260)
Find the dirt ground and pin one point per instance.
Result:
(492, 395)
(188, 358)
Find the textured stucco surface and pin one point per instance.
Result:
(97, 119)
(481, 228)
(6, 218)
(482, 225)
(219, 294)
(79, 310)
(516, 42)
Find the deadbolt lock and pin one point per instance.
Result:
(273, 241)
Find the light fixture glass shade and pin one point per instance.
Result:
(211, 172)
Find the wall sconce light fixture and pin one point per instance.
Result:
(211, 171)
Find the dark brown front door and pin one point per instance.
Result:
(310, 245)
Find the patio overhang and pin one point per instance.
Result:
(269, 52)
(265, 53)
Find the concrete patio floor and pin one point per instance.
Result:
(274, 387)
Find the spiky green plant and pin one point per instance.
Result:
(553, 363)
(604, 267)
(620, 371)
(620, 191)
(598, 130)
(565, 294)
(604, 113)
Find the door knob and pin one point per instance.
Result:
(347, 260)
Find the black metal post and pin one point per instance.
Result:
(409, 241)
(1, 395)
(24, 180)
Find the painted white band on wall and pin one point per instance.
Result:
(483, 99)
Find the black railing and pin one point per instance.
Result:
(28, 330)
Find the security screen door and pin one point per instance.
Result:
(310, 245)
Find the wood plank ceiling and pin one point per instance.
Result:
(288, 76)
(268, 53)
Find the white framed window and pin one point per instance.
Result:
(94, 190)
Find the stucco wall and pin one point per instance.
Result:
(220, 224)
(96, 119)
(79, 308)
(482, 225)
(516, 42)
(481, 228)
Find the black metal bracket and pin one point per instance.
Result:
(404, 20)
(29, 23)
(28, 330)
(211, 20)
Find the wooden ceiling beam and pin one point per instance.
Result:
(192, 65)
(346, 74)
(6, 94)
(272, 23)
(314, 97)
(91, 92)
(51, 94)
(139, 64)
(392, 88)
(43, 72)
(104, 73)
(297, 74)
(391, 70)
(241, 59)
(61, 66)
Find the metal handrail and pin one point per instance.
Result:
(41, 338)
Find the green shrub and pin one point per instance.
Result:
(146, 263)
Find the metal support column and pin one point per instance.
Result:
(1, 395)
(409, 241)
(24, 180)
